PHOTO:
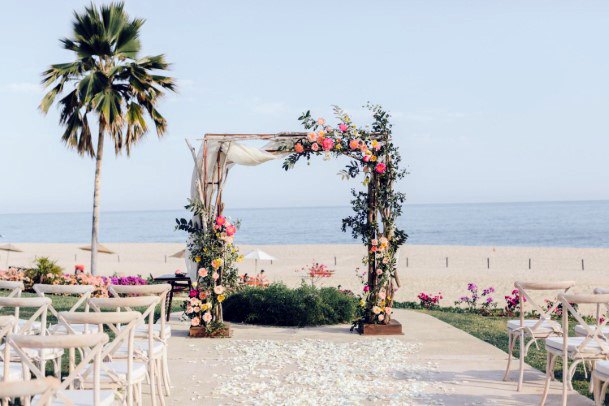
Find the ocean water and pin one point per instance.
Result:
(550, 224)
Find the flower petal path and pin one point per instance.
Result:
(433, 363)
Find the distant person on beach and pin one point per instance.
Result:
(245, 278)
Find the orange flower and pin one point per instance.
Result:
(298, 148)
(354, 144)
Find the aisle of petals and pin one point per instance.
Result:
(323, 372)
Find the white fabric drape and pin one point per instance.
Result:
(224, 154)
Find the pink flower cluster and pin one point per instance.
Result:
(429, 300)
(225, 229)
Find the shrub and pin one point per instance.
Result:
(278, 305)
(429, 300)
(475, 301)
(44, 269)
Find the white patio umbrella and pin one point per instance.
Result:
(259, 255)
(9, 248)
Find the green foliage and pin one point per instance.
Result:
(44, 268)
(108, 79)
(278, 305)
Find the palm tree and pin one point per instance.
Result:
(109, 82)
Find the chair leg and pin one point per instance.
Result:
(151, 368)
(521, 353)
(509, 361)
(566, 380)
(601, 391)
(549, 367)
(159, 383)
(165, 373)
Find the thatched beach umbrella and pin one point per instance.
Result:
(259, 255)
(179, 254)
(100, 248)
(9, 248)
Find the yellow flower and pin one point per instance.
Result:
(376, 310)
(373, 158)
(362, 303)
(197, 259)
(338, 146)
(217, 263)
(204, 306)
(240, 258)
(368, 152)
(374, 144)
(220, 298)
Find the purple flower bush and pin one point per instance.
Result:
(475, 301)
(127, 280)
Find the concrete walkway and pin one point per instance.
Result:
(433, 363)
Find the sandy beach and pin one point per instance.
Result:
(421, 268)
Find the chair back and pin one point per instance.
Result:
(159, 289)
(91, 345)
(7, 324)
(149, 304)
(39, 303)
(82, 291)
(593, 334)
(524, 288)
(27, 389)
(15, 287)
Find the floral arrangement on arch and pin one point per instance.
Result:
(211, 248)
(376, 208)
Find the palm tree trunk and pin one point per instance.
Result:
(95, 225)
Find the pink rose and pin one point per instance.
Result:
(366, 288)
(380, 167)
(207, 317)
(315, 146)
(202, 272)
(381, 317)
(354, 144)
(220, 220)
(321, 121)
(366, 158)
(215, 275)
(195, 321)
(218, 290)
(382, 295)
(328, 144)
(231, 230)
(343, 127)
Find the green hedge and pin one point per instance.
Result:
(278, 305)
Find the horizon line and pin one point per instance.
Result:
(313, 207)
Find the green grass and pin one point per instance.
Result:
(493, 330)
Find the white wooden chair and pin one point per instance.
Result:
(149, 350)
(43, 388)
(580, 330)
(15, 288)
(590, 348)
(161, 329)
(29, 326)
(82, 291)
(121, 374)
(91, 345)
(11, 371)
(522, 329)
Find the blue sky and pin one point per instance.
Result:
(493, 101)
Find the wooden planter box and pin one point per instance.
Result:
(201, 332)
(394, 327)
